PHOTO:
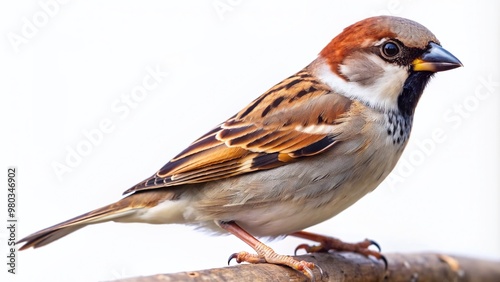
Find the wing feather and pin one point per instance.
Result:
(298, 117)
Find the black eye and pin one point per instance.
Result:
(390, 49)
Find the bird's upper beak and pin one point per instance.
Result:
(436, 59)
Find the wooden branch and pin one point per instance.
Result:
(419, 267)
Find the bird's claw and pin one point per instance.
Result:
(306, 270)
(384, 259)
(373, 243)
(308, 249)
(245, 257)
(301, 246)
(231, 257)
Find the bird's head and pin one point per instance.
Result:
(384, 62)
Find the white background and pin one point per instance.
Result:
(64, 77)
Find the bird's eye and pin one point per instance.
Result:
(390, 49)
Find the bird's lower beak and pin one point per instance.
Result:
(436, 59)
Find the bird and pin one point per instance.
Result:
(299, 154)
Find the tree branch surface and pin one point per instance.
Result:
(421, 267)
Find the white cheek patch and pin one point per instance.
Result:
(381, 91)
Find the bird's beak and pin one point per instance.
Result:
(436, 59)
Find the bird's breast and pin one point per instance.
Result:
(301, 194)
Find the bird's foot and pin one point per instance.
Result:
(267, 255)
(264, 253)
(329, 243)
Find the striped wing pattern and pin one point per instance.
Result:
(293, 119)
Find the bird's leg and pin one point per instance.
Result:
(264, 253)
(329, 243)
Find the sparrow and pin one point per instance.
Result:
(299, 154)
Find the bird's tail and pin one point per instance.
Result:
(118, 211)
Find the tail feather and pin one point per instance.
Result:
(40, 240)
(123, 210)
(50, 234)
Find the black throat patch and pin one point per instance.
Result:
(412, 90)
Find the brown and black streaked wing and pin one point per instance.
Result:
(296, 118)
